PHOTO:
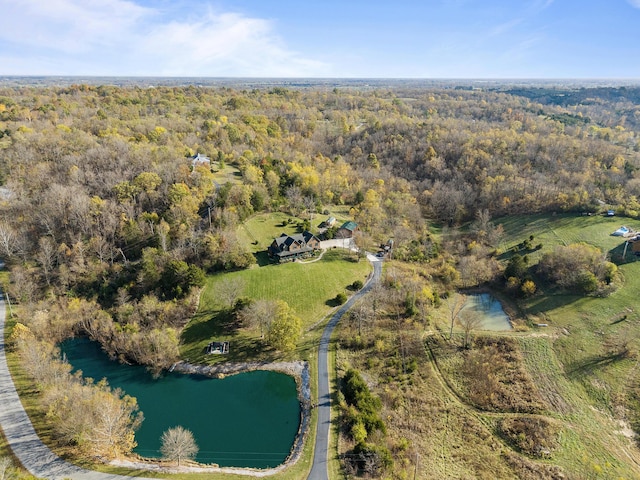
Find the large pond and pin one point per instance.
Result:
(490, 310)
(245, 420)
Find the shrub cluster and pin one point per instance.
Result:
(362, 419)
(535, 436)
(578, 267)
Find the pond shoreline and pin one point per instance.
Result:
(299, 370)
(509, 309)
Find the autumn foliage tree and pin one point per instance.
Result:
(285, 328)
(579, 267)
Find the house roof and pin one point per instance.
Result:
(284, 241)
(351, 226)
(198, 158)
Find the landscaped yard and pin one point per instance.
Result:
(259, 231)
(307, 288)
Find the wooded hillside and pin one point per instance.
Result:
(109, 230)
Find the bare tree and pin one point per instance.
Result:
(455, 305)
(7, 240)
(5, 468)
(46, 257)
(310, 206)
(469, 320)
(260, 314)
(294, 199)
(362, 315)
(178, 444)
(229, 290)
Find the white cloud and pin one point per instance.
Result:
(223, 44)
(634, 3)
(120, 37)
(68, 26)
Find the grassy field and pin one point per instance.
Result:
(307, 287)
(585, 362)
(582, 369)
(550, 230)
(259, 231)
(228, 174)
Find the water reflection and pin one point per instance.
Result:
(490, 310)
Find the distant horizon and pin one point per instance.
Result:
(169, 80)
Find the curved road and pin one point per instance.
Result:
(43, 463)
(34, 455)
(319, 469)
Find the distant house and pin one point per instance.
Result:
(199, 160)
(330, 222)
(346, 230)
(289, 247)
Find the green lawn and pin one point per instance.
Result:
(229, 174)
(307, 288)
(258, 231)
(564, 229)
(579, 362)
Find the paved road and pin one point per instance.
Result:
(27, 447)
(319, 469)
(43, 463)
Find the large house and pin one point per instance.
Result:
(289, 247)
(199, 160)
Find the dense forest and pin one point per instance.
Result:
(109, 230)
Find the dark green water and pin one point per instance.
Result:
(245, 420)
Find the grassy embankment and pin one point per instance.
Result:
(578, 377)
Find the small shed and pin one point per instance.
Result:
(330, 222)
(218, 348)
(346, 230)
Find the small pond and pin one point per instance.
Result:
(490, 308)
(245, 420)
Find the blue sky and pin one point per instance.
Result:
(322, 38)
